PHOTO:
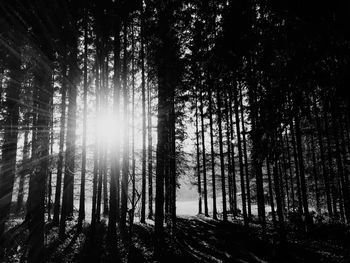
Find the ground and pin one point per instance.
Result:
(196, 239)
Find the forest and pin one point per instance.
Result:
(174, 131)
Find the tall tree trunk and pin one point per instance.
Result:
(204, 158)
(133, 160)
(125, 177)
(68, 185)
(96, 152)
(297, 172)
(58, 191)
(308, 219)
(315, 174)
(234, 184)
(9, 147)
(272, 204)
(240, 155)
(278, 200)
(229, 156)
(245, 154)
(323, 159)
(143, 95)
(150, 152)
(81, 216)
(25, 165)
(212, 152)
(344, 182)
(256, 135)
(115, 167)
(36, 205)
(199, 181)
(222, 159)
(291, 171)
(346, 171)
(330, 163)
(285, 173)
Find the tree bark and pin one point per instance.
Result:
(204, 158)
(9, 147)
(240, 156)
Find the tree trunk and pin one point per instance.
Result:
(296, 165)
(323, 159)
(212, 152)
(204, 158)
(125, 177)
(81, 216)
(229, 156)
(25, 165)
(199, 182)
(36, 204)
(68, 185)
(330, 163)
(315, 174)
(308, 219)
(115, 167)
(222, 160)
(245, 154)
(57, 205)
(9, 147)
(344, 183)
(143, 95)
(240, 156)
(291, 171)
(272, 204)
(150, 152)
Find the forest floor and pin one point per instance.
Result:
(196, 239)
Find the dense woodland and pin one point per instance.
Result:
(108, 107)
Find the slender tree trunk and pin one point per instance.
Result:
(296, 165)
(24, 166)
(57, 205)
(96, 153)
(9, 147)
(222, 160)
(323, 159)
(315, 174)
(212, 152)
(240, 155)
(49, 183)
(115, 167)
(205, 193)
(133, 164)
(343, 182)
(291, 172)
(198, 160)
(234, 184)
(308, 219)
(278, 201)
(125, 177)
(272, 204)
(81, 216)
(143, 95)
(245, 155)
(285, 173)
(67, 201)
(36, 205)
(346, 171)
(229, 156)
(330, 164)
(150, 153)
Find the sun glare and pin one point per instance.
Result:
(109, 129)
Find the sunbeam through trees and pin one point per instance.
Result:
(174, 131)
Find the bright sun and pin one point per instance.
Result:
(109, 129)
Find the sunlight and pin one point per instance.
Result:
(109, 129)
